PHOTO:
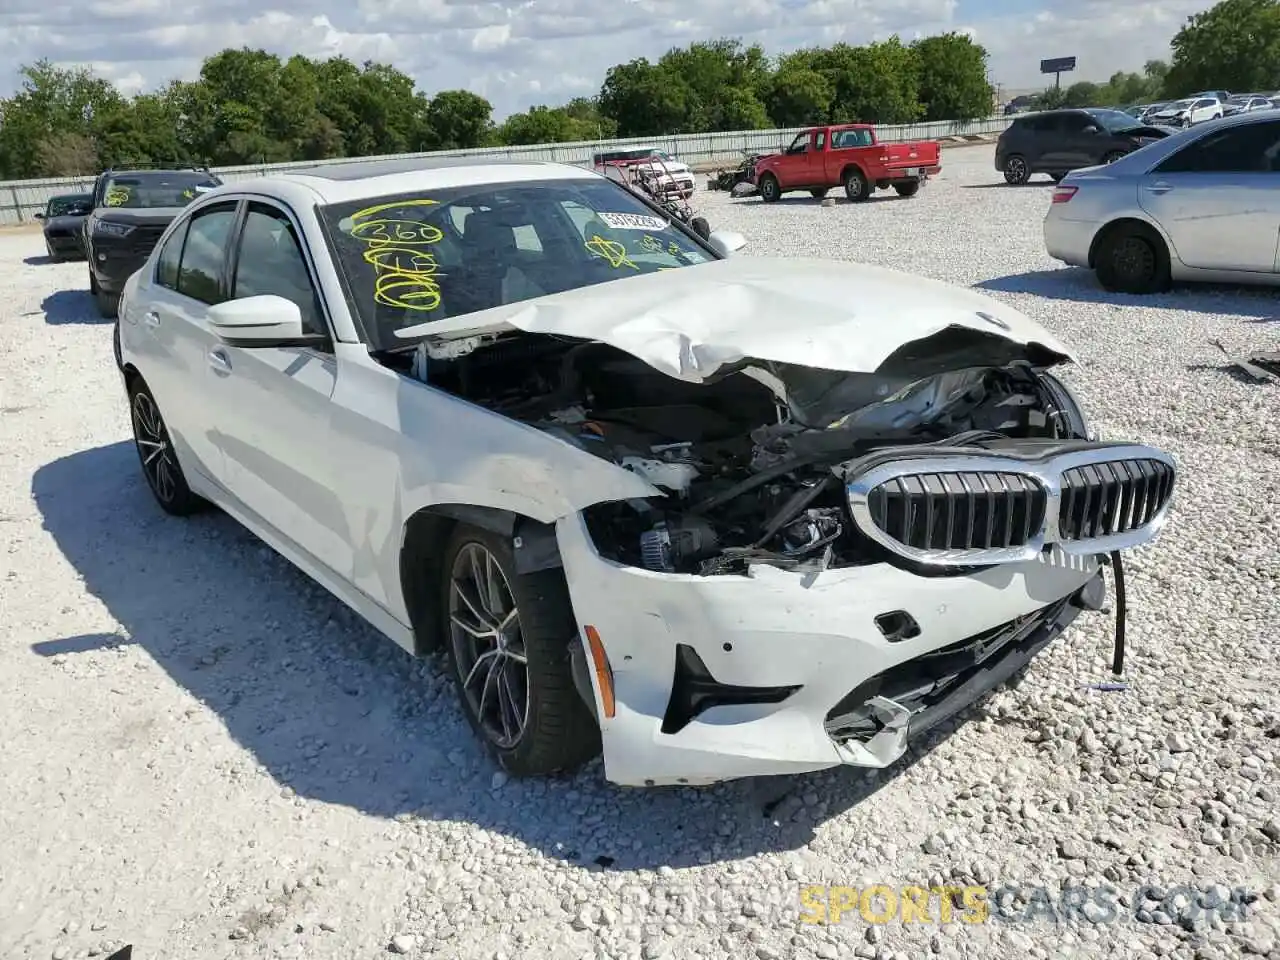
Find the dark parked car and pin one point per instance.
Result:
(131, 209)
(1059, 141)
(63, 218)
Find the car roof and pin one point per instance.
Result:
(342, 182)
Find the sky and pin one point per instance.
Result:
(518, 54)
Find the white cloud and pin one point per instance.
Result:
(521, 52)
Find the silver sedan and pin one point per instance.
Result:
(1203, 204)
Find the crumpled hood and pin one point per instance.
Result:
(691, 321)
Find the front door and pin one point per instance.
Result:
(1219, 198)
(275, 402)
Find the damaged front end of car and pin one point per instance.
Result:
(835, 561)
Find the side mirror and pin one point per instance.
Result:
(262, 321)
(726, 242)
(700, 226)
(1092, 129)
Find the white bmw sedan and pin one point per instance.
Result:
(712, 516)
(1202, 204)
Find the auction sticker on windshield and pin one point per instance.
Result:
(632, 221)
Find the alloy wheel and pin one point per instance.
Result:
(488, 645)
(1134, 259)
(1016, 169)
(154, 448)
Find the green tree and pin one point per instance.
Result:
(953, 78)
(544, 125)
(642, 100)
(1235, 45)
(798, 95)
(459, 119)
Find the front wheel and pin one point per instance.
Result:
(907, 189)
(770, 189)
(509, 637)
(856, 187)
(1132, 259)
(108, 304)
(159, 460)
(1016, 171)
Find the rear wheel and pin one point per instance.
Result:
(1016, 171)
(508, 646)
(1132, 259)
(907, 189)
(770, 189)
(159, 460)
(856, 187)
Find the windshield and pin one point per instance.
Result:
(416, 259)
(61, 206)
(1113, 120)
(138, 191)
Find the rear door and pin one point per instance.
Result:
(1218, 198)
(187, 280)
(1080, 141)
(275, 402)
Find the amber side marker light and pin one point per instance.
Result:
(604, 675)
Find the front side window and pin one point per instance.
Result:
(1253, 148)
(416, 259)
(204, 254)
(270, 261)
(141, 191)
(799, 144)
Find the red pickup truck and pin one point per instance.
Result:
(848, 155)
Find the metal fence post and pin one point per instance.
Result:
(17, 204)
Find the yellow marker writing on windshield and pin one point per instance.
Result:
(117, 197)
(652, 244)
(398, 250)
(612, 251)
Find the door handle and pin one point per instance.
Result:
(219, 360)
(151, 319)
(1159, 187)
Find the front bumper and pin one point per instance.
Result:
(114, 265)
(64, 244)
(804, 642)
(1068, 240)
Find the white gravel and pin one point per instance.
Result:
(206, 756)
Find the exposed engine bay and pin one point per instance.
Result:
(748, 461)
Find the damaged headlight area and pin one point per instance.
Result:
(760, 464)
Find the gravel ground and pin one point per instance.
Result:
(206, 756)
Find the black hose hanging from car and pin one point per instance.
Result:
(1117, 659)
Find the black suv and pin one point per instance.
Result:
(1059, 141)
(131, 209)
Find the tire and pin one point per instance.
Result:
(907, 189)
(115, 345)
(93, 283)
(1113, 156)
(1016, 171)
(1132, 259)
(559, 732)
(156, 455)
(770, 189)
(856, 187)
(108, 304)
(53, 257)
(820, 193)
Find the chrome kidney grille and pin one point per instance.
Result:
(975, 509)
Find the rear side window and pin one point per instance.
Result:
(1254, 148)
(171, 257)
(205, 253)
